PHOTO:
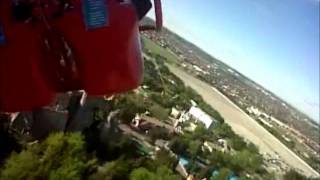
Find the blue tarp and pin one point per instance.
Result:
(183, 161)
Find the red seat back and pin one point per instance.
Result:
(108, 57)
(22, 87)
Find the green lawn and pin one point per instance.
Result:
(155, 48)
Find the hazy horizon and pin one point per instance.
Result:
(258, 38)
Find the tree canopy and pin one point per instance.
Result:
(59, 156)
(294, 175)
(162, 173)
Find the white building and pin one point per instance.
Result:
(199, 116)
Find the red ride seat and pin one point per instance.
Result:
(21, 85)
(108, 58)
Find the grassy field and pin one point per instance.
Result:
(155, 48)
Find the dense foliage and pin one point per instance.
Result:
(59, 156)
(293, 175)
(66, 156)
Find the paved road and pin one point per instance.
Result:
(243, 124)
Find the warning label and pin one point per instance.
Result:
(95, 13)
(2, 37)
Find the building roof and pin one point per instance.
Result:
(200, 115)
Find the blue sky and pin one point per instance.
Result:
(273, 42)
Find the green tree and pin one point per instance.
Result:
(151, 77)
(294, 175)
(59, 156)
(161, 173)
(194, 148)
(179, 145)
(165, 100)
(159, 112)
(129, 104)
(224, 173)
(219, 159)
(201, 132)
(246, 161)
(142, 174)
(223, 131)
(164, 173)
(238, 143)
(253, 148)
(21, 166)
(118, 169)
(164, 158)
